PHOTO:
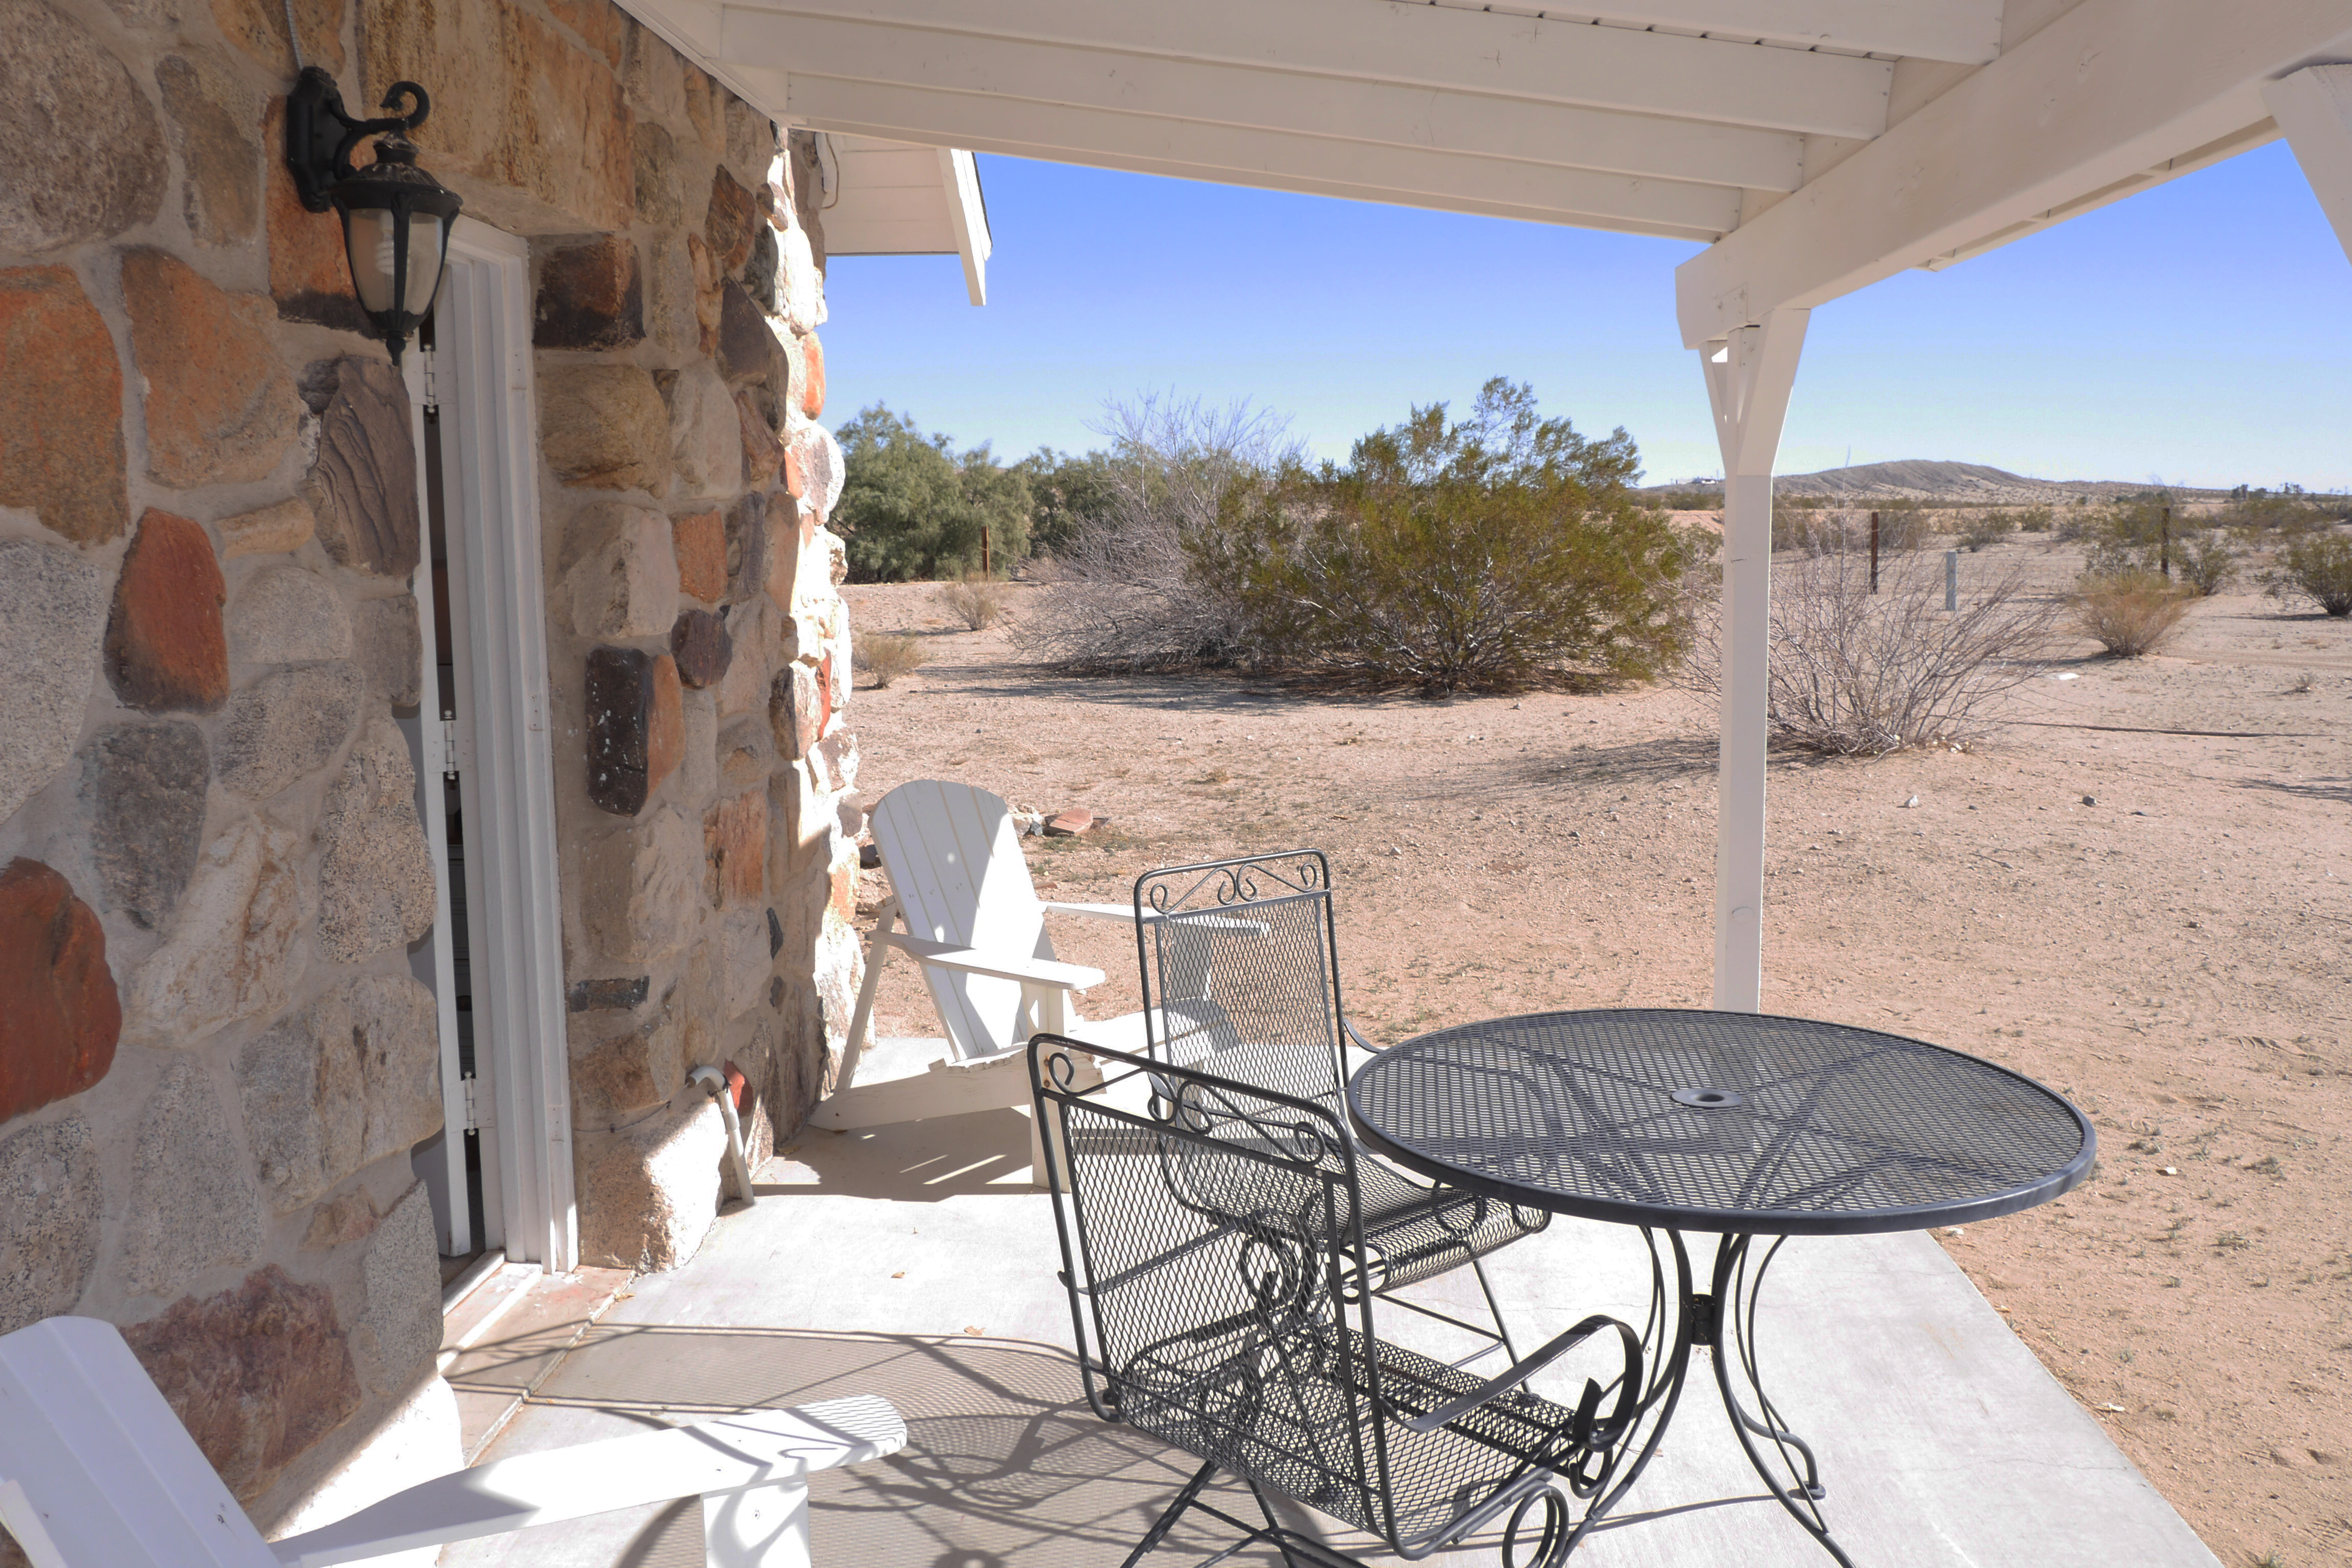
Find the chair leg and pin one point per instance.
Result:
(861, 1022)
(1167, 1520)
(1280, 1536)
(1495, 1310)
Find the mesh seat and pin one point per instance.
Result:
(1214, 1247)
(1240, 981)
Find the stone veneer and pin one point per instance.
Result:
(216, 1058)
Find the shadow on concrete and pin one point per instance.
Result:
(983, 1152)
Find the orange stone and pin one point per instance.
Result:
(221, 407)
(665, 724)
(56, 995)
(733, 223)
(735, 842)
(699, 539)
(812, 381)
(165, 649)
(61, 407)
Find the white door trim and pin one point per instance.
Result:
(490, 424)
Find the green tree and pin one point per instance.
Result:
(1069, 491)
(913, 508)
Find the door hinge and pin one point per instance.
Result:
(473, 1107)
(449, 747)
(432, 392)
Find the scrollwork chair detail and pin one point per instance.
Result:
(1208, 1241)
(1241, 979)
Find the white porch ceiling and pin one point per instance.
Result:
(1813, 146)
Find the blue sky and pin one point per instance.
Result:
(2200, 332)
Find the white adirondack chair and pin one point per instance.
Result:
(976, 925)
(96, 1472)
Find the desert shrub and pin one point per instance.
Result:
(1851, 673)
(2318, 569)
(978, 602)
(2205, 561)
(1127, 590)
(912, 507)
(2036, 519)
(1902, 527)
(1990, 526)
(2130, 613)
(2290, 512)
(887, 655)
(1489, 553)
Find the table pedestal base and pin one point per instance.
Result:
(1722, 1320)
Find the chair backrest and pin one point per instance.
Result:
(953, 853)
(1205, 1240)
(96, 1469)
(1240, 971)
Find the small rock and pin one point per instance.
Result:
(1910, 801)
(59, 1013)
(869, 856)
(375, 870)
(54, 605)
(144, 788)
(284, 614)
(276, 530)
(362, 489)
(51, 1203)
(2090, 800)
(286, 724)
(165, 648)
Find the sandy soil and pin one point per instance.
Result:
(2173, 957)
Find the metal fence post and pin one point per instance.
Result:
(1951, 579)
(1874, 552)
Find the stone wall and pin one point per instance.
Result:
(215, 1056)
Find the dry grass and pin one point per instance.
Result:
(887, 655)
(2130, 614)
(978, 602)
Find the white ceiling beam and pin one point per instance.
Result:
(2108, 91)
(1429, 46)
(1148, 143)
(1967, 31)
(2314, 107)
(1486, 126)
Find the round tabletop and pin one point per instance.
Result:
(1720, 1121)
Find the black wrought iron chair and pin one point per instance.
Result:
(1241, 979)
(1208, 1243)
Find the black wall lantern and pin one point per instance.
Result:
(396, 217)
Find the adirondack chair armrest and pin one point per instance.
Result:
(1042, 972)
(1126, 914)
(710, 1459)
(1118, 914)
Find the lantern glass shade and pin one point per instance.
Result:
(373, 237)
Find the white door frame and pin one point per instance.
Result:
(488, 428)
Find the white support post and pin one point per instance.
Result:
(1749, 375)
(2314, 107)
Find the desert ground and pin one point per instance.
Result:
(2136, 891)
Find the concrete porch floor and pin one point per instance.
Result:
(917, 1262)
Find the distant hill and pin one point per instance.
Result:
(1943, 481)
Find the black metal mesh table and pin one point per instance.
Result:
(1736, 1123)
(1720, 1121)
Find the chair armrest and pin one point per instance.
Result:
(1559, 1346)
(759, 1447)
(1118, 914)
(1355, 1038)
(1028, 971)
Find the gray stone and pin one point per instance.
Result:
(84, 154)
(350, 1079)
(391, 647)
(706, 436)
(189, 1209)
(286, 724)
(749, 966)
(671, 295)
(653, 159)
(213, 116)
(235, 949)
(698, 770)
(747, 547)
(747, 752)
(363, 487)
(622, 582)
(284, 614)
(375, 870)
(605, 426)
(54, 604)
(49, 1209)
(402, 1273)
(641, 886)
(649, 1192)
(144, 788)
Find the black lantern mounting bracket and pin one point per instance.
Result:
(321, 134)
